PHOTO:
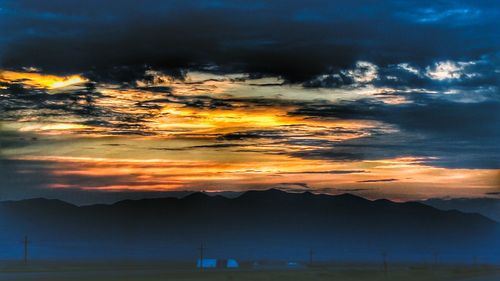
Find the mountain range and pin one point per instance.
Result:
(257, 225)
(489, 207)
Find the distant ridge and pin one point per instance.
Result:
(270, 224)
(489, 207)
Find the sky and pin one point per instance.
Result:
(109, 100)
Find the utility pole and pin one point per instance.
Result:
(384, 257)
(26, 243)
(435, 255)
(201, 249)
(311, 254)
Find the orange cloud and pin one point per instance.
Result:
(416, 181)
(38, 80)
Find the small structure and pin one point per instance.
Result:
(206, 263)
(214, 263)
(232, 263)
(293, 264)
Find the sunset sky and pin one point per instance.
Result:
(143, 98)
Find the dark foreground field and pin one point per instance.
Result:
(169, 271)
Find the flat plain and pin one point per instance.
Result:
(156, 271)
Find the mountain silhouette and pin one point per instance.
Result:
(269, 224)
(488, 207)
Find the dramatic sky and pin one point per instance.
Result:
(119, 99)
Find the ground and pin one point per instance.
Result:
(126, 271)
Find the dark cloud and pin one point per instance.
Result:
(451, 120)
(457, 134)
(208, 146)
(492, 193)
(336, 80)
(378, 180)
(334, 172)
(119, 40)
(292, 134)
(301, 184)
(425, 115)
(464, 75)
(434, 151)
(351, 189)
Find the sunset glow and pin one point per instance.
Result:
(228, 106)
(275, 171)
(38, 80)
(149, 140)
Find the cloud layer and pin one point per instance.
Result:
(334, 90)
(290, 39)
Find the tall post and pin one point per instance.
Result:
(201, 249)
(435, 255)
(311, 254)
(384, 257)
(25, 243)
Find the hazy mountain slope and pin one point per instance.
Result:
(256, 225)
(488, 207)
